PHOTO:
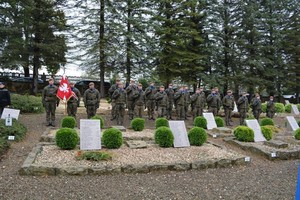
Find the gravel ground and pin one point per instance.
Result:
(262, 179)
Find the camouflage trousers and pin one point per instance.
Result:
(180, 112)
(72, 109)
(197, 111)
(161, 111)
(130, 107)
(120, 110)
(228, 114)
(213, 110)
(243, 115)
(91, 111)
(150, 108)
(139, 109)
(50, 108)
(256, 114)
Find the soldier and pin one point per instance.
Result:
(220, 101)
(256, 106)
(198, 99)
(271, 107)
(113, 105)
(228, 105)
(161, 98)
(150, 101)
(50, 101)
(170, 93)
(140, 101)
(74, 101)
(214, 102)
(187, 101)
(180, 99)
(91, 99)
(4, 97)
(243, 107)
(132, 95)
(119, 97)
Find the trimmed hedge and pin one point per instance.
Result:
(288, 108)
(267, 121)
(273, 128)
(138, 124)
(201, 122)
(68, 122)
(219, 121)
(17, 129)
(297, 134)
(264, 107)
(197, 136)
(97, 117)
(244, 134)
(66, 138)
(27, 103)
(279, 107)
(161, 122)
(112, 138)
(164, 137)
(267, 132)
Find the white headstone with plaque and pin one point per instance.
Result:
(90, 134)
(258, 136)
(180, 134)
(292, 124)
(13, 113)
(211, 123)
(295, 110)
(287, 102)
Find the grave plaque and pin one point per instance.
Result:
(211, 123)
(235, 109)
(253, 124)
(180, 134)
(90, 134)
(292, 124)
(13, 113)
(295, 110)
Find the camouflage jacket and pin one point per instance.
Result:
(91, 97)
(49, 94)
(161, 98)
(119, 96)
(228, 102)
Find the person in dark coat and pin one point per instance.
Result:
(4, 97)
(271, 107)
(91, 99)
(50, 101)
(74, 101)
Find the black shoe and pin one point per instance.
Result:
(53, 124)
(49, 124)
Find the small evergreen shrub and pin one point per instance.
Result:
(112, 138)
(197, 136)
(298, 105)
(93, 155)
(267, 132)
(288, 108)
(66, 138)
(138, 124)
(17, 129)
(201, 122)
(159, 122)
(244, 134)
(68, 122)
(266, 121)
(219, 121)
(273, 128)
(27, 103)
(97, 117)
(264, 107)
(164, 137)
(279, 107)
(297, 134)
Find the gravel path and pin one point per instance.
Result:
(262, 179)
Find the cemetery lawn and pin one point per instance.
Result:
(261, 179)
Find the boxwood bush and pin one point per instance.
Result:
(68, 122)
(17, 129)
(112, 138)
(266, 121)
(138, 124)
(279, 107)
(66, 138)
(273, 128)
(197, 136)
(97, 117)
(267, 132)
(160, 122)
(219, 121)
(200, 121)
(264, 107)
(297, 134)
(244, 134)
(27, 103)
(288, 108)
(164, 137)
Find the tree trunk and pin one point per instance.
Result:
(101, 48)
(128, 44)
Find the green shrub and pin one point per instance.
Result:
(197, 136)
(17, 129)
(97, 117)
(279, 107)
(288, 108)
(66, 138)
(267, 132)
(298, 123)
(273, 128)
(200, 121)
(93, 155)
(112, 138)
(163, 137)
(244, 134)
(264, 107)
(138, 124)
(159, 122)
(27, 103)
(219, 121)
(266, 121)
(298, 105)
(297, 134)
(68, 122)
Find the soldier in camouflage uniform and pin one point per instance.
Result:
(198, 99)
(271, 107)
(161, 98)
(132, 95)
(113, 105)
(150, 101)
(170, 93)
(220, 99)
(50, 101)
(213, 102)
(256, 106)
(228, 105)
(74, 101)
(187, 101)
(140, 101)
(243, 106)
(180, 99)
(119, 97)
(91, 99)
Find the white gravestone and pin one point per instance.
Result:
(295, 110)
(13, 113)
(235, 109)
(90, 134)
(211, 123)
(292, 124)
(180, 134)
(287, 102)
(253, 124)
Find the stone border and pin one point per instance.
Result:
(29, 168)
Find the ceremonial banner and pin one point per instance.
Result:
(64, 91)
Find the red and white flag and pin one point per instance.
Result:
(64, 91)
